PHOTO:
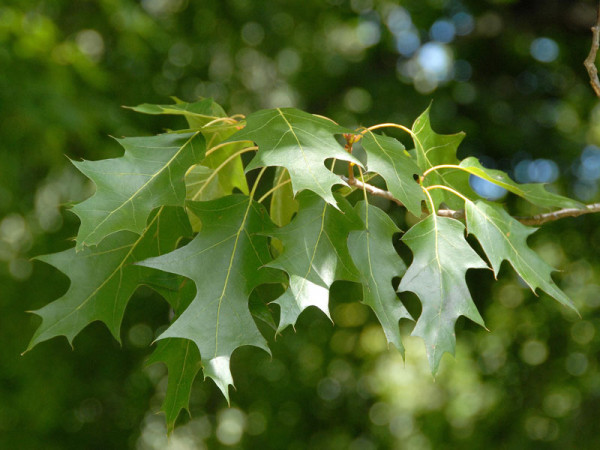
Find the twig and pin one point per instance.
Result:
(458, 215)
(538, 219)
(371, 189)
(589, 62)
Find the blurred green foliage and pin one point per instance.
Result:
(507, 72)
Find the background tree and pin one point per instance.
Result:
(508, 73)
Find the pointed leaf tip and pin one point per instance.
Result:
(226, 262)
(183, 364)
(433, 149)
(378, 262)
(315, 254)
(534, 193)
(103, 278)
(442, 257)
(502, 237)
(150, 174)
(218, 369)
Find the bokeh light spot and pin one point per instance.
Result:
(442, 31)
(544, 49)
(534, 352)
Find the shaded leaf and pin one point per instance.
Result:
(533, 192)
(387, 157)
(301, 143)
(283, 204)
(104, 277)
(196, 184)
(183, 364)
(202, 184)
(434, 149)
(441, 259)
(149, 174)
(199, 115)
(378, 262)
(225, 261)
(502, 237)
(315, 254)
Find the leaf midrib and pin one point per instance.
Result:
(307, 164)
(118, 269)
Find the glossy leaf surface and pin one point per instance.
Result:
(301, 143)
(505, 238)
(315, 254)
(532, 192)
(433, 149)
(387, 157)
(442, 257)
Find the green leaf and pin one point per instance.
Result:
(283, 204)
(202, 184)
(231, 169)
(441, 259)
(301, 143)
(378, 262)
(231, 173)
(387, 157)
(434, 149)
(181, 356)
(104, 277)
(532, 192)
(183, 363)
(197, 114)
(225, 261)
(150, 174)
(505, 238)
(315, 254)
(196, 184)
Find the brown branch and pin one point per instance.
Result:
(458, 215)
(371, 189)
(590, 61)
(538, 219)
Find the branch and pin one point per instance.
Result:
(371, 189)
(538, 219)
(589, 62)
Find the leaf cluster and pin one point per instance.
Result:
(177, 208)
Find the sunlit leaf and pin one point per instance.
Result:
(283, 204)
(207, 117)
(433, 149)
(387, 157)
(198, 113)
(301, 143)
(505, 238)
(315, 254)
(532, 192)
(441, 259)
